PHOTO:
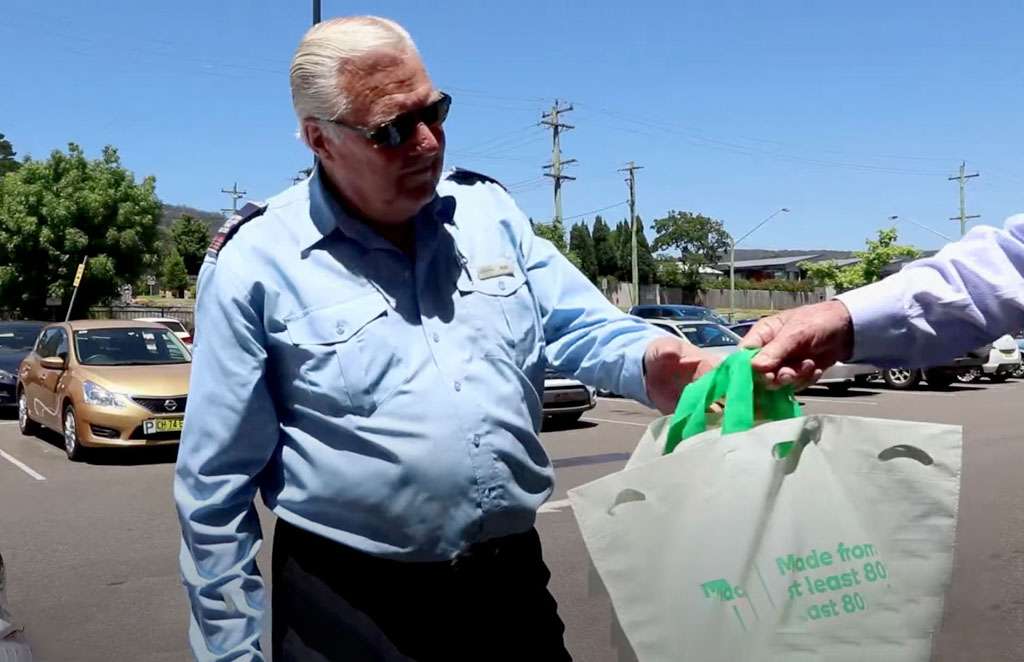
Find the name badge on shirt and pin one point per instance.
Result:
(488, 271)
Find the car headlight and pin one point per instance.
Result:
(7, 378)
(97, 395)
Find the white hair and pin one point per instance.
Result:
(325, 55)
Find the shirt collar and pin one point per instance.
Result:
(327, 213)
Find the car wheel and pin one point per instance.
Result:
(938, 378)
(27, 426)
(969, 376)
(902, 378)
(1018, 372)
(72, 445)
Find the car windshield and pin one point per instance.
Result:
(174, 325)
(129, 346)
(710, 335)
(19, 337)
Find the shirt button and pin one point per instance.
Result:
(501, 286)
(458, 385)
(340, 328)
(436, 337)
(476, 440)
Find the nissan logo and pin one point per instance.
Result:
(170, 405)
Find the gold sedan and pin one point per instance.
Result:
(105, 383)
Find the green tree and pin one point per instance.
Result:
(55, 212)
(605, 250)
(582, 244)
(700, 241)
(191, 237)
(173, 275)
(668, 273)
(555, 233)
(879, 253)
(7, 161)
(646, 265)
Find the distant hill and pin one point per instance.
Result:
(171, 213)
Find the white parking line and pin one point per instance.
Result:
(609, 420)
(8, 422)
(841, 401)
(554, 506)
(21, 465)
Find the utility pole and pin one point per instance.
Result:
(236, 195)
(302, 174)
(631, 182)
(963, 217)
(316, 11)
(552, 119)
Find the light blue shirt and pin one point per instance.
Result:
(387, 403)
(936, 309)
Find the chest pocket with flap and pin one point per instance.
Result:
(501, 309)
(344, 355)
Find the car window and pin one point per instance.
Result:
(710, 335)
(671, 328)
(175, 326)
(129, 346)
(61, 343)
(47, 345)
(19, 338)
(742, 329)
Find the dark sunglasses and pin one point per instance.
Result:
(397, 131)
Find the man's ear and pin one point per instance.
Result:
(316, 138)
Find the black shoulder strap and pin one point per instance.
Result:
(248, 212)
(468, 178)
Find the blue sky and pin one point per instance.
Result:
(845, 112)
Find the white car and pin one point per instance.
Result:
(715, 338)
(1004, 361)
(176, 327)
(565, 400)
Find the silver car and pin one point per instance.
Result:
(565, 400)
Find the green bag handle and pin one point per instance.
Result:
(733, 379)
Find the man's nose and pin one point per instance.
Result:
(428, 143)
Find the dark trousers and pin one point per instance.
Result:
(333, 603)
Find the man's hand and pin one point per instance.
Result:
(799, 344)
(670, 365)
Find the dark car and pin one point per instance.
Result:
(679, 312)
(16, 341)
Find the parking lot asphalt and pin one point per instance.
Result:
(91, 548)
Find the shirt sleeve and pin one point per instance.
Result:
(936, 309)
(586, 336)
(231, 431)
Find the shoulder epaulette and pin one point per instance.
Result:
(248, 212)
(468, 178)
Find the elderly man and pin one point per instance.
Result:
(370, 356)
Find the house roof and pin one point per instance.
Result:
(769, 262)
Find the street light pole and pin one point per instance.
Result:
(732, 259)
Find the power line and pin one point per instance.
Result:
(963, 217)
(595, 211)
(551, 119)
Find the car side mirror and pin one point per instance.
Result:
(53, 363)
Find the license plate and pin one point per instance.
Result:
(158, 425)
(566, 396)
